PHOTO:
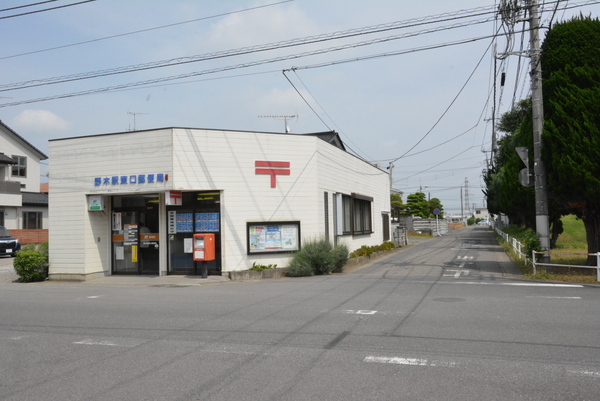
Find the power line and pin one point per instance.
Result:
(47, 9)
(453, 100)
(240, 51)
(228, 68)
(143, 30)
(26, 5)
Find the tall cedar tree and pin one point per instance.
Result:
(571, 75)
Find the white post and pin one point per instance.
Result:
(598, 266)
(533, 261)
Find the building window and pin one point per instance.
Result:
(32, 220)
(2, 218)
(19, 169)
(356, 214)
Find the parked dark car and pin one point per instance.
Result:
(9, 245)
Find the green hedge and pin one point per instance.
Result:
(366, 250)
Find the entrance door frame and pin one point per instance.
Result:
(161, 219)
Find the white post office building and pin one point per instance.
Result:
(131, 202)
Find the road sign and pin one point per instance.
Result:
(436, 211)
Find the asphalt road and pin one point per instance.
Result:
(443, 320)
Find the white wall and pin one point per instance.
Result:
(11, 146)
(343, 173)
(198, 160)
(74, 163)
(225, 161)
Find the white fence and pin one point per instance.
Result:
(520, 251)
(535, 263)
(515, 245)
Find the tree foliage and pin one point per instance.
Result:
(571, 76)
(418, 205)
(504, 192)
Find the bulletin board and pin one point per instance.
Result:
(273, 237)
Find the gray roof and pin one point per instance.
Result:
(331, 137)
(35, 198)
(6, 159)
(41, 155)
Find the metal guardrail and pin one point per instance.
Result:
(535, 263)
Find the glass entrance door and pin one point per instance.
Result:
(125, 242)
(135, 238)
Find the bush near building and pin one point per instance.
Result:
(31, 263)
(317, 256)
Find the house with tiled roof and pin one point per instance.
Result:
(23, 207)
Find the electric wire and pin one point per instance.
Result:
(144, 30)
(27, 5)
(47, 9)
(451, 103)
(238, 66)
(324, 111)
(230, 53)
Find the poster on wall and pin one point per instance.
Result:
(207, 222)
(185, 222)
(273, 237)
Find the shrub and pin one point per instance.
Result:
(317, 256)
(364, 250)
(368, 250)
(531, 240)
(320, 256)
(31, 264)
(300, 266)
(341, 256)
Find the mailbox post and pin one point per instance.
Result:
(204, 250)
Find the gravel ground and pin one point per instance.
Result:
(7, 272)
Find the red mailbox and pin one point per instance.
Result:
(204, 247)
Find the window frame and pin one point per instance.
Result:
(39, 220)
(357, 214)
(20, 166)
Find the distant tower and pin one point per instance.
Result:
(467, 206)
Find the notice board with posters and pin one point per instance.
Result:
(273, 237)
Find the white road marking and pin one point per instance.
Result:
(94, 296)
(360, 312)
(456, 273)
(516, 284)
(587, 373)
(465, 257)
(408, 361)
(530, 296)
(92, 342)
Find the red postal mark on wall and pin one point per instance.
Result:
(273, 169)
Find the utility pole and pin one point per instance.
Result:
(539, 170)
(510, 12)
(462, 212)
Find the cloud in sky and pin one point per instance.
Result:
(39, 122)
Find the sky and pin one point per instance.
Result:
(419, 95)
